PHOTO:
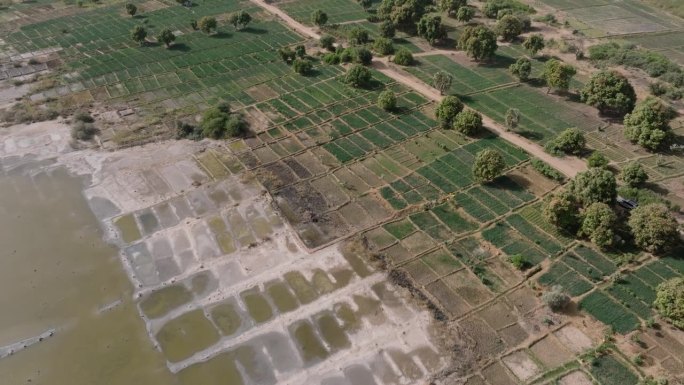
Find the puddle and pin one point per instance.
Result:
(226, 318)
(309, 345)
(350, 322)
(223, 237)
(281, 297)
(322, 282)
(149, 222)
(181, 337)
(220, 370)
(257, 306)
(161, 302)
(128, 228)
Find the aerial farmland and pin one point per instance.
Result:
(342, 192)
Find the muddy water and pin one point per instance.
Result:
(56, 272)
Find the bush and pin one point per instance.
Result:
(358, 76)
(520, 262)
(596, 159)
(358, 36)
(188, 131)
(492, 8)
(331, 58)
(521, 68)
(218, 123)
(383, 46)
(468, 122)
(327, 42)
(556, 299)
(633, 174)
(403, 57)
(654, 228)
(570, 141)
(83, 131)
(546, 170)
(387, 100)
(387, 29)
(669, 301)
(302, 66)
(83, 117)
(362, 55)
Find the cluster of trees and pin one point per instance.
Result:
(585, 208)
(297, 58)
(218, 122)
(451, 114)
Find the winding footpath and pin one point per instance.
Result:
(568, 165)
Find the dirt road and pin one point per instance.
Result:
(568, 165)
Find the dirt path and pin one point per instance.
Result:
(569, 166)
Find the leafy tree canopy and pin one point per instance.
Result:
(447, 110)
(488, 165)
(479, 42)
(610, 92)
(670, 301)
(654, 228)
(594, 185)
(648, 123)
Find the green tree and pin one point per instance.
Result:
(139, 34)
(596, 159)
(302, 66)
(488, 165)
(509, 27)
(358, 36)
(479, 42)
(404, 13)
(219, 123)
(468, 122)
(570, 141)
(207, 24)
(562, 210)
(300, 51)
(319, 18)
(287, 55)
(387, 100)
(431, 28)
(598, 224)
(365, 4)
(403, 57)
(383, 46)
(362, 55)
(669, 301)
(131, 9)
(512, 118)
(594, 185)
(447, 110)
(610, 92)
(387, 29)
(240, 20)
(521, 68)
(451, 7)
(633, 174)
(558, 74)
(442, 81)
(328, 42)
(358, 76)
(465, 14)
(166, 37)
(654, 228)
(193, 24)
(534, 43)
(648, 123)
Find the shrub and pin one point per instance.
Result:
(358, 76)
(362, 55)
(319, 17)
(468, 122)
(519, 261)
(492, 8)
(358, 36)
(218, 123)
(512, 118)
(558, 74)
(387, 29)
(669, 301)
(387, 100)
(521, 68)
(488, 165)
(327, 42)
(83, 131)
(633, 174)
(83, 117)
(207, 24)
(546, 170)
(383, 46)
(654, 228)
(556, 299)
(331, 58)
(534, 43)
(300, 51)
(403, 57)
(570, 141)
(596, 159)
(302, 66)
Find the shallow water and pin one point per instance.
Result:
(57, 272)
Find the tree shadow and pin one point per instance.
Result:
(256, 31)
(221, 35)
(531, 135)
(536, 82)
(498, 61)
(139, 17)
(182, 47)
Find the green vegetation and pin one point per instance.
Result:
(594, 185)
(131, 9)
(546, 170)
(633, 174)
(383, 46)
(509, 27)
(534, 43)
(447, 110)
(609, 371)
(387, 100)
(610, 92)
(358, 76)
(493, 8)
(319, 18)
(598, 224)
(358, 36)
(562, 210)
(648, 124)
(139, 34)
(166, 37)
(240, 20)
(596, 159)
(442, 82)
(302, 66)
(479, 42)
(468, 122)
(219, 123)
(654, 228)
(488, 165)
(207, 24)
(558, 74)
(451, 7)
(521, 69)
(519, 261)
(327, 42)
(431, 28)
(570, 141)
(403, 57)
(670, 301)
(465, 14)
(556, 299)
